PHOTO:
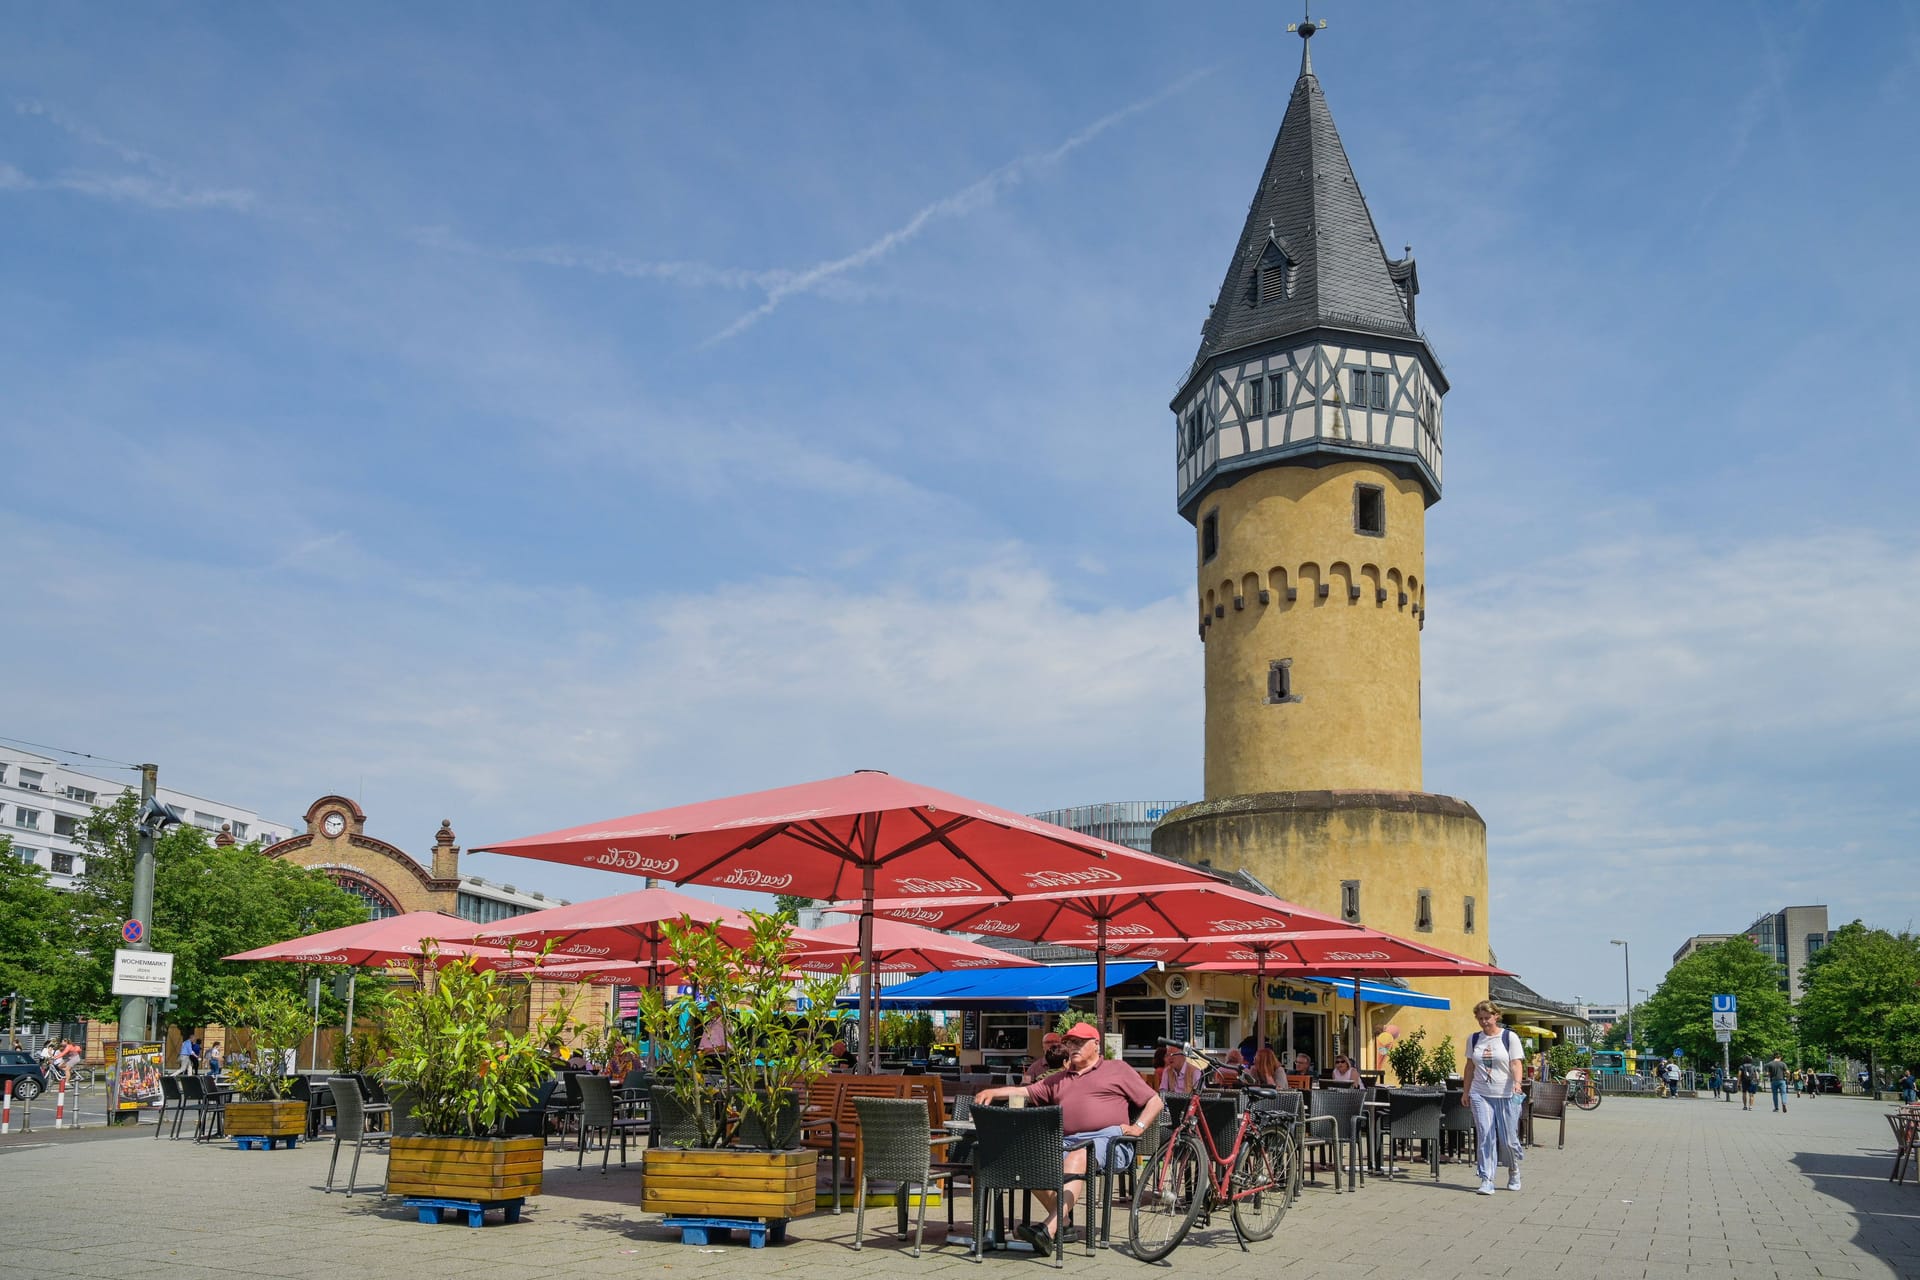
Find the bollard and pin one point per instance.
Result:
(6, 1110)
(60, 1106)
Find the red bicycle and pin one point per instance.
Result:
(1190, 1176)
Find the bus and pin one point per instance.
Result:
(1608, 1062)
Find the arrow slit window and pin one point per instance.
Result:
(1280, 681)
(1350, 901)
(1423, 912)
(1469, 915)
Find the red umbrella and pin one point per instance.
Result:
(906, 948)
(865, 832)
(627, 927)
(1106, 920)
(374, 942)
(1315, 955)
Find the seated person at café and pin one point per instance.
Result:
(1265, 1072)
(1053, 1056)
(1248, 1049)
(1343, 1071)
(1095, 1095)
(1302, 1064)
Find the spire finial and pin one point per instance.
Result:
(1305, 29)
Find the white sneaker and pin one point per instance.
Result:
(1513, 1184)
(1486, 1189)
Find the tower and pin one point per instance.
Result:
(1308, 450)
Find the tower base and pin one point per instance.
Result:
(1369, 856)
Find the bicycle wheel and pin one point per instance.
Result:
(1170, 1193)
(1259, 1187)
(1589, 1097)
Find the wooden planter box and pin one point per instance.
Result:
(284, 1118)
(466, 1168)
(729, 1182)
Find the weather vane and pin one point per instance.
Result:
(1307, 26)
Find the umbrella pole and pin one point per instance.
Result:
(869, 1051)
(1259, 1004)
(1356, 1027)
(1100, 978)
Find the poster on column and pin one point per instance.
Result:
(135, 1067)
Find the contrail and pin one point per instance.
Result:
(969, 198)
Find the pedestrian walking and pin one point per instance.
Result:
(1777, 1081)
(1495, 1060)
(1671, 1074)
(1907, 1087)
(1749, 1083)
(1714, 1079)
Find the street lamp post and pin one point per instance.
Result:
(1626, 958)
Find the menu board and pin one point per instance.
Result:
(1180, 1022)
(970, 1029)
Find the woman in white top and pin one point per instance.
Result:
(1495, 1060)
(1343, 1072)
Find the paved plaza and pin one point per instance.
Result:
(1688, 1187)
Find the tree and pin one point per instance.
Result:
(207, 902)
(790, 905)
(1861, 995)
(1680, 1014)
(32, 923)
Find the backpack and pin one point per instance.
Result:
(1506, 1039)
(1747, 1074)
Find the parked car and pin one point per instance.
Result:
(1826, 1082)
(21, 1067)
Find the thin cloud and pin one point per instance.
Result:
(158, 187)
(971, 198)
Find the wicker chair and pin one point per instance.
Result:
(895, 1145)
(350, 1116)
(1456, 1124)
(1333, 1125)
(674, 1125)
(598, 1114)
(1414, 1115)
(1550, 1103)
(1019, 1149)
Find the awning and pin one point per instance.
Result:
(1528, 1029)
(1039, 989)
(1385, 993)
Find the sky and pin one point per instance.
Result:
(528, 416)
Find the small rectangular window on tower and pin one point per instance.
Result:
(1277, 392)
(1255, 386)
(1350, 901)
(1370, 510)
(1209, 536)
(1469, 915)
(1423, 912)
(1280, 681)
(1379, 398)
(1358, 399)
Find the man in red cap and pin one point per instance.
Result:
(1052, 1058)
(1097, 1097)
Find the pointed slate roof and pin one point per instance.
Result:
(1309, 208)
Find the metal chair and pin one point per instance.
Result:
(897, 1146)
(1414, 1115)
(1456, 1124)
(598, 1114)
(351, 1117)
(1020, 1149)
(193, 1094)
(674, 1125)
(169, 1093)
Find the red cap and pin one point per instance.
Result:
(1082, 1031)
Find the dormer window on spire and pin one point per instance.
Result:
(1273, 278)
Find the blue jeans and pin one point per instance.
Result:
(1496, 1134)
(1779, 1095)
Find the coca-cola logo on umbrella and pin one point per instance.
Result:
(1265, 924)
(634, 860)
(583, 949)
(1357, 955)
(745, 878)
(976, 964)
(994, 926)
(313, 958)
(925, 915)
(1121, 930)
(1055, 879)
(917, 884)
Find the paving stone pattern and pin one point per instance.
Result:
(1645, 1188)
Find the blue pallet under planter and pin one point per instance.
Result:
(431, 1206)
(702, 1230)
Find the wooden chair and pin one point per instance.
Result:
(1299, 1080)
(832, 1125)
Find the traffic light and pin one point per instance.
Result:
(173, 998)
